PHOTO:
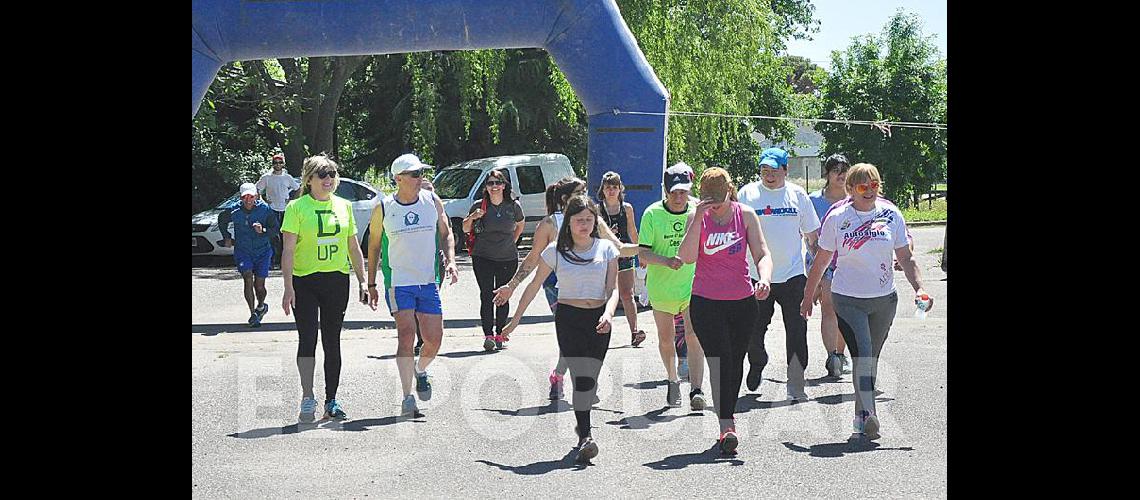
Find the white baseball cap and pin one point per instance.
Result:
(248, 188)
(406, 163)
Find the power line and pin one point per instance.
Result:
(881, 124)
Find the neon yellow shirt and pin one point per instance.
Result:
(324, 230)
(662, 231)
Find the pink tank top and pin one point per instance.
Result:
(722, 261)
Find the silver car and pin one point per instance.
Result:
(207, 239)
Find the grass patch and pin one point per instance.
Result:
(936, 250)
(933, 211)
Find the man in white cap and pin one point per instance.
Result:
(788, 219)
(670, 281)
(254, 222)
(406, 231)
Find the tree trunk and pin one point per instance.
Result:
(342, 69)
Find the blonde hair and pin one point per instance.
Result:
(862, 172)
(714, 179)
(312, 165)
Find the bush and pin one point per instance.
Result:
(218, 172)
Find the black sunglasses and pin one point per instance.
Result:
(496, 183)
(415, 174)
(324, 174)
(278, 163)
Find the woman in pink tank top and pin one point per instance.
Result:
(723, 306)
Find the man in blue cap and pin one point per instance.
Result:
(787, 218)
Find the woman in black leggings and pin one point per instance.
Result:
(496, 220)
(722, 307)
(586, 266)
(319, 241)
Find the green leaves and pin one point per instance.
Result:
(897, 76)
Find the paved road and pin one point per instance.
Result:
(489, 430)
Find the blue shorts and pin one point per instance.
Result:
(420, 298)
(259, 264)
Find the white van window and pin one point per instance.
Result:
(455, 183)
(530, 180)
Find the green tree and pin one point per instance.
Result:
(897, 76)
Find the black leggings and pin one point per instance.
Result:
(723, 328)
(491, 274)
(788, 294)
(323, 296)
(584, 351)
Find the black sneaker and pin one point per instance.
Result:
(673, 395)
(488, 343)
(833, 365)
(416, 350)
(753, 379)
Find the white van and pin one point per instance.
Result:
(459, 185)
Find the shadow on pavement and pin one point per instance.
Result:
(539, 468)
(553, 407)
(211, 329)
(653, 417)
(647, 385)
(349, 425)
(854, 444)
(709, 456)
(750, 402)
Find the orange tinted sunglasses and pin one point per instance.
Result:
(862, 188)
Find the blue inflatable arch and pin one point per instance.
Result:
(588, 39)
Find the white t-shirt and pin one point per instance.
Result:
(581, 280)
(277, 188)
(785, 215)
(866, 243)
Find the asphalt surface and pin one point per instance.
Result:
(489, 429)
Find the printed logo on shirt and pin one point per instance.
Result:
(779, 211)
(869, 230)
(327, 242)
(678, 226)
(411, 219)
(720, 241)
(329, 215)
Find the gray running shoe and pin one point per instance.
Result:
(408, 408)
(308, 410)
(697, 400)
(673, 395)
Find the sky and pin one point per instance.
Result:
(842, 19)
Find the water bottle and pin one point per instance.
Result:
(921, 305)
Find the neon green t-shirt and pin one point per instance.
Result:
(324, 230)
(662, 231)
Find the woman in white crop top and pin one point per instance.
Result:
(587, 267)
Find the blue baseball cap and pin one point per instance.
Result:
(773, 157)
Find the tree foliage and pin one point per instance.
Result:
(897, 76)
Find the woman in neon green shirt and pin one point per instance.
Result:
(318, 232)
